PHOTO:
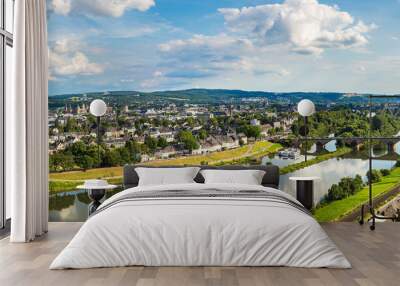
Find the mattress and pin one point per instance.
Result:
(201, 225)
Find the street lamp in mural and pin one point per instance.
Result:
(98, 108)
(305, 108)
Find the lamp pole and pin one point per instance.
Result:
(98, 108)
(98, 140)
(305, 139)
(306, 108)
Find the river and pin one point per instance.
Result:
(331, 171)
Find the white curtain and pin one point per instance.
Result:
(26, 124)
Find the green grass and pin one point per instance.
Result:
(61, 186)
(89, 174)
(337, 209)
(316, 160)
(258, 149)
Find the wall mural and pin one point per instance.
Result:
(210, 83)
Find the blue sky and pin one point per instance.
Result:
(282, 45)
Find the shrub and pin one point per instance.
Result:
(385, 172)
(376, 176)
(346, 187)
(335, 193)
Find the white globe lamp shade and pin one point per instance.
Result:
(306, 107)
(98, 107)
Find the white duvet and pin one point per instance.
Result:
(202, 232)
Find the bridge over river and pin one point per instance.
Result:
(355, 142)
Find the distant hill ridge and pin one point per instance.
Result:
(212, 96)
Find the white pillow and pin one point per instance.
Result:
(166, 176)
(247, 177)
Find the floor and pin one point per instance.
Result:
(375, 257)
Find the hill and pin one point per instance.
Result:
(210, 96)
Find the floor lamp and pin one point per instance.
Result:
(306, 108)
(98, 108)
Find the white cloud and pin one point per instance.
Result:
(204, 56)
(133, 33)
(77, 64)
(111, 8)
(305, 25)
(124, 80)
(66, 45)
(202, 50)
(362, 68)
(62, 7)
(158, 73)
(202, 42)
(257, 40)
(66, 59)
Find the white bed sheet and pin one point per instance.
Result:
(200, 232)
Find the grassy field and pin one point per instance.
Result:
(337, 209)
(110, 172)
(68, 185)
(258, 149)
(69, 180)
(316, 160)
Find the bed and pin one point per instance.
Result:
(201, 224)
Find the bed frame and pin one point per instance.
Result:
(270, 179)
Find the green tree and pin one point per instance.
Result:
(86, 162)
(121, 121)
(71, 125)
(93, 151)
(111, 158)
(188, 140)
(151, 143)
(124, 155)
(190, 121)
(385, 172)
(252, 131)
(376, 176)
(335, 193)
(79, 151)
(134, 150)
(203, 134)
(358, 182)
(346, 187)
(377, 122)
(162, 142)
(214, 122)
(61, 161)
(165, 122)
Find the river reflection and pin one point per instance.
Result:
(282, 162)
(71, 206)
(330, 172)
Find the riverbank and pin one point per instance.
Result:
(67, 181)
(297, 166)
(337, 210)
(252, 151)
(56, 186)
